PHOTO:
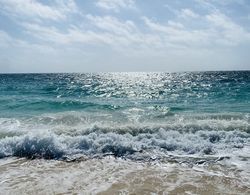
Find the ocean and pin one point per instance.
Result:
(125, 133)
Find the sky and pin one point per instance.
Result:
(124, 35)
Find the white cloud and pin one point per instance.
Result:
(109, 31)
(175, 24)
(219, 31)
(178, 35)
(33, 9)
(71, 36)
(188, 13)
(125, 34)
(7, 41)
(227, 31)
(116, 5)
(112, 24)
(216, 5)
(228, 2)
(206, 4)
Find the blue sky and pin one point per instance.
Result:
(124, 35)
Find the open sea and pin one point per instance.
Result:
(125, 133)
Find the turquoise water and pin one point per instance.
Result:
(132, 115)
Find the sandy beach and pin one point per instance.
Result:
(118, 176)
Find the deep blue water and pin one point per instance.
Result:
(53, 115)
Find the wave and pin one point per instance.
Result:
(49, 145)
(50, 105)
(123, 134)
(129, 121)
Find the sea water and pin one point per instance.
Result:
(176, 122)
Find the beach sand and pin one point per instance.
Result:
(118, 176)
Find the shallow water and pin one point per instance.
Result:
(118, 176)
(136, 132)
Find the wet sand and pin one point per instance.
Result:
(118, 176)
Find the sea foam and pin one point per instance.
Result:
(49, 145)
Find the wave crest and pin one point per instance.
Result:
(163, 142)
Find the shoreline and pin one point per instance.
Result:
(114, 175)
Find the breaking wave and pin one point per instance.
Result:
(163, 142)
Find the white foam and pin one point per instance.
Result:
(47, 144)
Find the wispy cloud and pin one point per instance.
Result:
(219, 30)
(7, 41)
(33, 9)
(116, 5)
(178, 35)
(111, 32)
(228, 2)
(226, 30)
(188, 13)
(112, 24)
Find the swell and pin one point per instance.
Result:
(83, 123)
(50, 104)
